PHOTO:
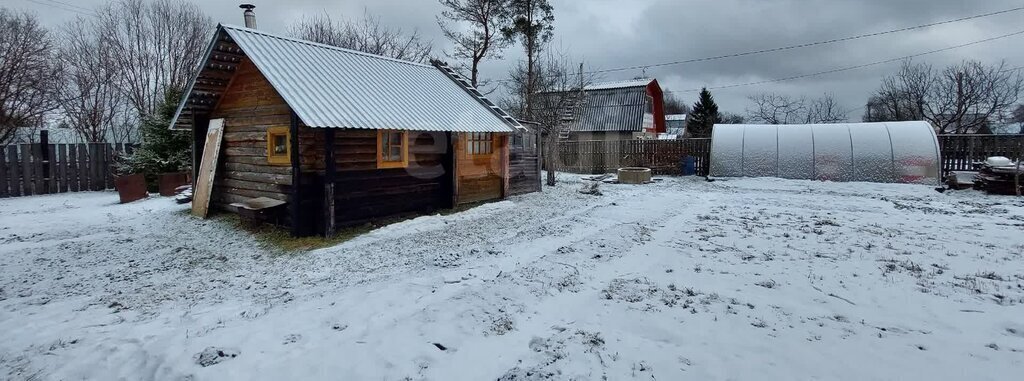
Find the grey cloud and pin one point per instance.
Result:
(615, 33)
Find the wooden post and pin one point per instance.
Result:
(108, 166)
(44, 155)
(330, 170)
(38, 184)
(3, 172)
(506, 149)
(26, 169)
(540, 156)
(449, 163)
(95, 170)
(453, 148)
(83, 167)
(12, 170)
(51, 169)
(73, 168)
(62, 173)
(295, 201)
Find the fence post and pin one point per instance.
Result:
(3, 172)
(62, 172)
(51, 168)
(12, 170)
(73, 168)
(108, 166)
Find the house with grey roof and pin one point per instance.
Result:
(335, 137)
(616, 111)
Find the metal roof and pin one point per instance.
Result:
(333, 87)
(675, 117)
(613, 109)
(620, 84)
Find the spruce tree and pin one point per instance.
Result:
(162, 150)
(703, 116)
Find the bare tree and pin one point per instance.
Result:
(783, 109)
(968, 96)
(486, 18)
(962, 98)
(730, 118)
(366, 34)
(90, 98)
(558, 101)
(825, 110)
(776, 109)
(674, 105)
(28, 73)
(156, 45)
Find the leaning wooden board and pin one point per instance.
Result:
(207, 168)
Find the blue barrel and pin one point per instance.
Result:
(689, 166)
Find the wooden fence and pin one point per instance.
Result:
(960, 152)
(33, 169)
(664, 157)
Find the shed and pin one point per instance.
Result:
(891, 152)
(675, 124)
(341, 136)
(617, 110)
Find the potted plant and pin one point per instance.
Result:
(164, 155)
(131, 187)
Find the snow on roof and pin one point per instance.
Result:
(620, 84)
(675, 117)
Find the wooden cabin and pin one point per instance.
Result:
(343, 137)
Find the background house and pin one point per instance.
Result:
(617, 110)
(675, 125)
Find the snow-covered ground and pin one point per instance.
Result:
(684, 279)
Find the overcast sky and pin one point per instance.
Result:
(607, 34)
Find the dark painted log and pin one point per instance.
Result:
(329, 178)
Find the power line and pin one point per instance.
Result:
(69, 5)
(798, 46)
(825, 42)
(848, 68)
(65, 7)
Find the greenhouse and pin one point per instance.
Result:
(895, 152)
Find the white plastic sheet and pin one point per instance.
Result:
(904, 152)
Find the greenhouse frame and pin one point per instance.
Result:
(891, 152)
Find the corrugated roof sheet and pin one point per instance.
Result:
(617, 109)
(328, 86)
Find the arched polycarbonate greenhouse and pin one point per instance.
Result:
(901, 152)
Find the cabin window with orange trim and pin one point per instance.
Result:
(479, 143)
(392, 149)
(279, 148)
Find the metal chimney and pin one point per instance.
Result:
(250, 16)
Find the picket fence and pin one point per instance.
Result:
(34, 169)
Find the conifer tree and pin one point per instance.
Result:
(703, 116)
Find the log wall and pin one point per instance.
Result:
(249, 106)
(362, 192)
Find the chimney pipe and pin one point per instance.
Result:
(250, 16)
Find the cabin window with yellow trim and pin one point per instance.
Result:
(479, 143)
(392, 149)
(279, 150)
